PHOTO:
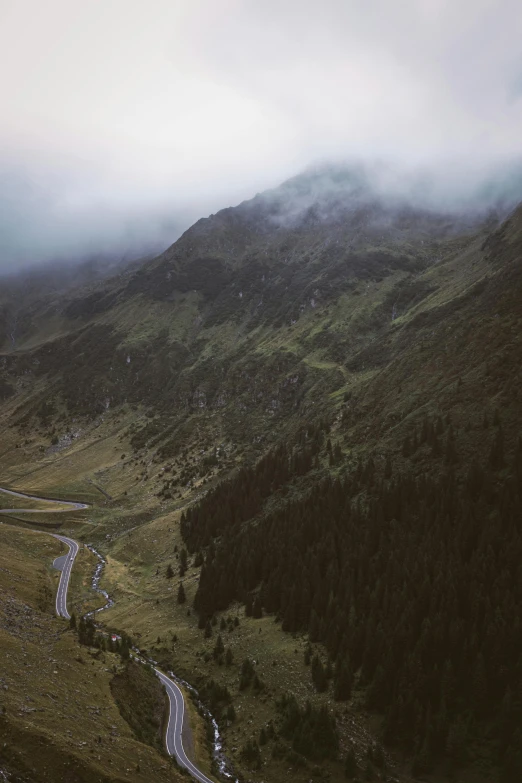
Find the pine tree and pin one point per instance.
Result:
(247, 674)
(124, 649)
(342, 681)
(436, 449)
(414, 579)
(350, 765)
(415, 442)
(496, 455)
(183, 562)
(231, 713)
(181, 594)
(219, 647)
(257, 611)
(450, 456)
(170, 572)
(337, 454)
(318, 674)
(406, 447)
(457, 741)
(480, 700)
(328, 670)
(511, 768)
(250, 754)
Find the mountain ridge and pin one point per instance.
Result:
(258, 292)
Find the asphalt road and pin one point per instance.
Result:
(61, 594)
(67, 505)
(173, 736)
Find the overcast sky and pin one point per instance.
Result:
(124, 120)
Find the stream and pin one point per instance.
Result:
(218, 754)
(95, 583)
(223, 764)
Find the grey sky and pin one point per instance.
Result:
(123, 120)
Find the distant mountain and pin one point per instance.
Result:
(321, 279)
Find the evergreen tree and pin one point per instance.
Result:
(258, 683)
(250, 754)
(246, 675)
(170, 572)
(350, 765)
(231, 713)
(436, 449)
(257, 611)
(219, 647)
(406, 447)
(450, 455)
(342, 681)
(125, 649)
(511, 767)
(183, 562)
(318, 674)
(413, 579)
(496, 455)
(181, 594)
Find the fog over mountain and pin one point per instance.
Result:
(123, 123)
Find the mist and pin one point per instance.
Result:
(52, 215)
(124, 123)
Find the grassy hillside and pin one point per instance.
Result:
(59, 719)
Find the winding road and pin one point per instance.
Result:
(68, 505)
(66, 568)
(173, 735)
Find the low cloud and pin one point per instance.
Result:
(45, 217)
(122, 123)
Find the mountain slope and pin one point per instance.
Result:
(256, 309)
